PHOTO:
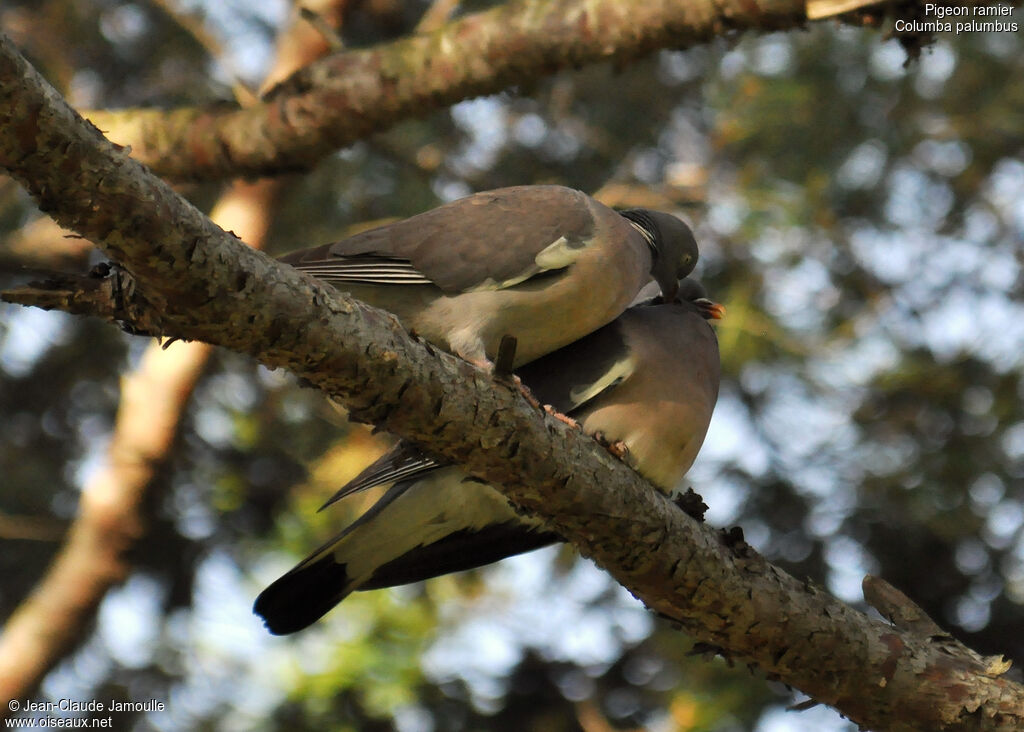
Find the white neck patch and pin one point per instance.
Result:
(648, 237)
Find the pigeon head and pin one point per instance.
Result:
(672, 245)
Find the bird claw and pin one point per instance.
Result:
(617, 448)
(561, 417)
(523, 389)
(510, 379)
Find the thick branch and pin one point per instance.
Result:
(207, 286)
(349, 95)
(98, 551)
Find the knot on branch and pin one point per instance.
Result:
(107, 291)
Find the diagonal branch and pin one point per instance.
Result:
(208, 286)
(97, 554)
(98, 551)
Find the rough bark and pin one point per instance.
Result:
(97, 552)
(348, 95)
(205, 285)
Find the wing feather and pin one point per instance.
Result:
(490, 240)
(403, 462)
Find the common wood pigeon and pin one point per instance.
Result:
(543, 263)
(648, 380)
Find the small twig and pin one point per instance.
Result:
(106, 292)
(193, 23)
(439, 13)
(906, 615)
(899, 609)
(334, 41)
(803, 706)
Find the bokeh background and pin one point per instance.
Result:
(862, 219)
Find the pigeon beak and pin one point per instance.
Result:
(710, 310)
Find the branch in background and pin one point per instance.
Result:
(193, 22)
(55, 618)
(658, 197)
(210, 287)
(349, 95)
(439, 13)
(303, 42)
(323, 28)
(31, 528)
(818, 9)
(43, 244)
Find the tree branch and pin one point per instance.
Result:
(349, 95)
(97, 554)
(207, 286)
